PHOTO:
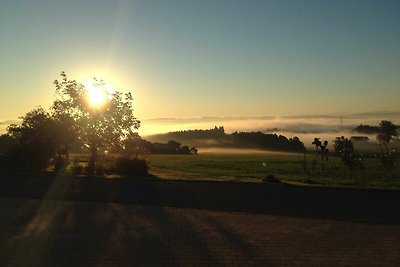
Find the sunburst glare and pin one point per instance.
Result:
(98, 92)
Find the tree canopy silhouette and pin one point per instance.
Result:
(345, 149)
(34, 142)
(134, 146)
(387, 132)
(321, 148)
(216, 137)
(97, 128)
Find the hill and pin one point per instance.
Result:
(217, 137)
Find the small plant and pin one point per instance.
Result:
(387, 133)
(321, 155)
(345, 149)
(321, 149)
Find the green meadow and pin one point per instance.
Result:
(287, 168)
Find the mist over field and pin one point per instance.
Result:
(242, 151)
(326, 127)
(3, 128)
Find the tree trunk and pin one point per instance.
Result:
(92, 161)
(67, 152)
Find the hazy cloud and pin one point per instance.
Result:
(327, 127)
(294, 124)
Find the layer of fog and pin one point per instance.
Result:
(240, 151)
(305, 127)
(326, 127)
(295, 124)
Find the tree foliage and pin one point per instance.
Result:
(97, 128)
(345, 149)
(217, 137)
(34, 142)
(6, 143)
(367, 129)
(387, 132)
(321, 148)
(135, 146)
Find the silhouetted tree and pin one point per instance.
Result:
(345, 149)
(174, 145)
(65, 128)
(35, 142)
(218, 138)
(183, 136)
(6, 143)
(134, 146)
(387, 132)
(366, 129)
(321, 148)
(97, 128)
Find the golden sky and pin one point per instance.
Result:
(187, 59)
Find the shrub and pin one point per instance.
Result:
(321, 148)
(60, 164)
(32, 158)
(129, 166)
(76, 169)
(270, 178)
(345, 149)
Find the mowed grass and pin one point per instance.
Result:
(293, 168)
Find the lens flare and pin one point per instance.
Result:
(98, 93)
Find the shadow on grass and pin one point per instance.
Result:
(377, 206)
(67, 233)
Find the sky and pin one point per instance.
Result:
(185, 59)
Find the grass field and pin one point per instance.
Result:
(252, 167)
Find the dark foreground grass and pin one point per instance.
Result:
(293, 168)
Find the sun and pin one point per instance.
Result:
(98, 92)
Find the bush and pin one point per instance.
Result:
(76, 169)
(32, 158)
(270, 178)
(60, 164)
(345, 149)
(129, 166)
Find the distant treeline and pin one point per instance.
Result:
(141, 146)
(217, 137)
(135, 146)
(367, 129)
